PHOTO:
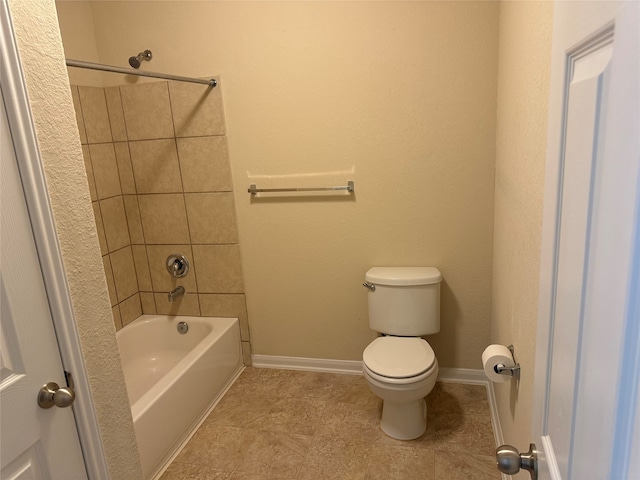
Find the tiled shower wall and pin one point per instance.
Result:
(160, 182)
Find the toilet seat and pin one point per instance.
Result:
(399, 359)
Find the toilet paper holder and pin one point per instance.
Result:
(509, 371)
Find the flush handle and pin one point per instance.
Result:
(370, 286)
(510, 461)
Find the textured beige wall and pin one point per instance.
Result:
(47, 83)
(523, 91)
(398, 96)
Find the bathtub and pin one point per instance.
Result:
(175, 379)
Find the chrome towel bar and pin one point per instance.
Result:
(349, 187)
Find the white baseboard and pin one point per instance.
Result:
(354, 367)
(469, 376)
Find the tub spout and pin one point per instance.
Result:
(175, 293)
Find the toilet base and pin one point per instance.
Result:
(404, 421)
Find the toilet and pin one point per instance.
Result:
(400, 366)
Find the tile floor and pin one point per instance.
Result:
(292, 425)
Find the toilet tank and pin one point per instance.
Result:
(406, 300)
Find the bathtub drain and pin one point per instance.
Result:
(183, 328)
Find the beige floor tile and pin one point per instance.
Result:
(466, 432)
(454, 466)
(188, 471)
(240, 411)
(347, 420)
(460, 398)
(353, 389)
(274, 455)
(259, 476)
(311, 426)
(316, 385)
(335, 458)
(264, 383)
(219, 449)
(295, 415)
(388, 462)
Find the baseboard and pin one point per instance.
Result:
(469, 376)
(354, 367)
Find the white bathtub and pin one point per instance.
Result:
(173, 380)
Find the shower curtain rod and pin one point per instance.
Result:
(130, 71)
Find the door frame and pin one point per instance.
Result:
(42, 222)
(627, 365)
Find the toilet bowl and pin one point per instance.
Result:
(401, 371)
(400, 366)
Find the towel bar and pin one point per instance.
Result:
(349, 187)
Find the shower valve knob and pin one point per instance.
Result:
(177, 265)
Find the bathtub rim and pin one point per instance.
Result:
(145, 402)
(230, 327)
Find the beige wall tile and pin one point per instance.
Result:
(197, 109)
(100, 228)
(246, 353)
(105, 170)
(185, 305)
(125, 170)
(116, 115)
(89, 168)
(133, 218)
(212, 217)
(130, 309)
(204, 162)
(79, 117)
(94, 111)
(147, 111)
(115, 223)
(161, 279)
(218, 268)
(111, 286)
(148, 303)
(212, 305)
(164, 219)
(124, 273)
(155, 166)
(142, 267)
(117, 320)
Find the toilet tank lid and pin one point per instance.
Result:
(403, 275)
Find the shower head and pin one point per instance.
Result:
(136, 61)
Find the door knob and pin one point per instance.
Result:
(510, 461)
(51, 394)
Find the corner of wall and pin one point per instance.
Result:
(523, 97)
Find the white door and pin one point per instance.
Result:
(35, 443)
(587, 365)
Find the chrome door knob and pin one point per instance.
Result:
(51, 394)
(510, 461)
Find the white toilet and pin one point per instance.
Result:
(400, 367)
